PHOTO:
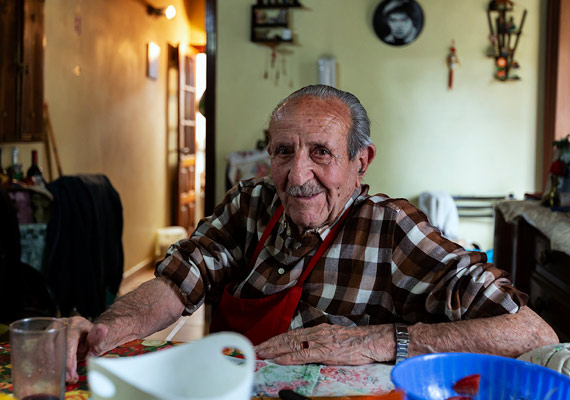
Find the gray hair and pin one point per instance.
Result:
(359, 133)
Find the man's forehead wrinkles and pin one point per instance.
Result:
(306, 144)
(310, 124)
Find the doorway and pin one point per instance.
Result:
(186, 135)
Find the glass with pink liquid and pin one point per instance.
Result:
(38, 358)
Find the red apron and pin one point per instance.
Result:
(261, 319)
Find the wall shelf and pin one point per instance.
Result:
(270, 23)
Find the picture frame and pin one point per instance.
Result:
(398, 22)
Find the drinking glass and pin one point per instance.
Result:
(38, 358)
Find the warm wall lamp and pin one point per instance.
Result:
(168, 12)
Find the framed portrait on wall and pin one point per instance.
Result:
(398, 22)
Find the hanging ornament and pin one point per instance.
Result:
(277, 72)
(503, 31)
(273, 56)
(452, 63)
(275, 64)
(266, 71)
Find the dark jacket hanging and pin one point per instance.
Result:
(84, 252)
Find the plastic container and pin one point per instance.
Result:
(192, 371)
(432, 376)
(167, 236)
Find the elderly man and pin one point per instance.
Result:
(312, 268)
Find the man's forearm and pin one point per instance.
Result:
(507, 335)
(151, 307)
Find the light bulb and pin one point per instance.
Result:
(170, 12)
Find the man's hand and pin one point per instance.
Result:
(83, 339)
(332, 345)
(151, 307)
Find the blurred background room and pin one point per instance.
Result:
(167, 109)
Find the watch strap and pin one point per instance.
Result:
(402, 342)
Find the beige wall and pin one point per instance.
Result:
(481, 138)
(111, 119)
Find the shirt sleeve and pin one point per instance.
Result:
(214, 254)
(436, 280)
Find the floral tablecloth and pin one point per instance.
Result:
(309, 380)
(79, 390)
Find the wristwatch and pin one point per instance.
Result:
(402, 342)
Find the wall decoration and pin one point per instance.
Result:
(398, 22)
(452, 63)
(270, 26)
(327, 70)
(504, 36)
(152, 57)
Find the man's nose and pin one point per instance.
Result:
(301, 170)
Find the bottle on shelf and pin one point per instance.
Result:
(3, 173)
(15, 171)
(34, 174)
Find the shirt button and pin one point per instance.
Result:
(281, 271)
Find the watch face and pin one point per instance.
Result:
(398, 22)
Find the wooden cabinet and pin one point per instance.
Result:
(536, 269)
(21, 70)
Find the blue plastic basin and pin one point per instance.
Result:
(432, 377)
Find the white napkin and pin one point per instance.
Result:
(554, 356)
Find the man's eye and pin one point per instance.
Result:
(321, 151)
(281, 151)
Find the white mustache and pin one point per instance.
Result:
(307, 189)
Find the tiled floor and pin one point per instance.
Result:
(186, 329)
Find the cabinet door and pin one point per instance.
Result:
(10, 16)
(552, 304)
(32, 72)
(21, 70)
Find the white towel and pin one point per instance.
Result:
(554, 356)
(441, 212)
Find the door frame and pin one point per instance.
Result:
(211, 49)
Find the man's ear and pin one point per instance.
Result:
(365, 157)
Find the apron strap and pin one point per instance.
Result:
(323, 247)
(265, 235)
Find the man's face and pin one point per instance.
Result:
(400, 24)
(309, 160)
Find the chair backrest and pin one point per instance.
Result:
(478, 206)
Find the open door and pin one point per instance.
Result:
(182, 67)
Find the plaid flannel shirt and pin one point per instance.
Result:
(386, 264)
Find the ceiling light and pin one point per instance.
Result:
(168, 12)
